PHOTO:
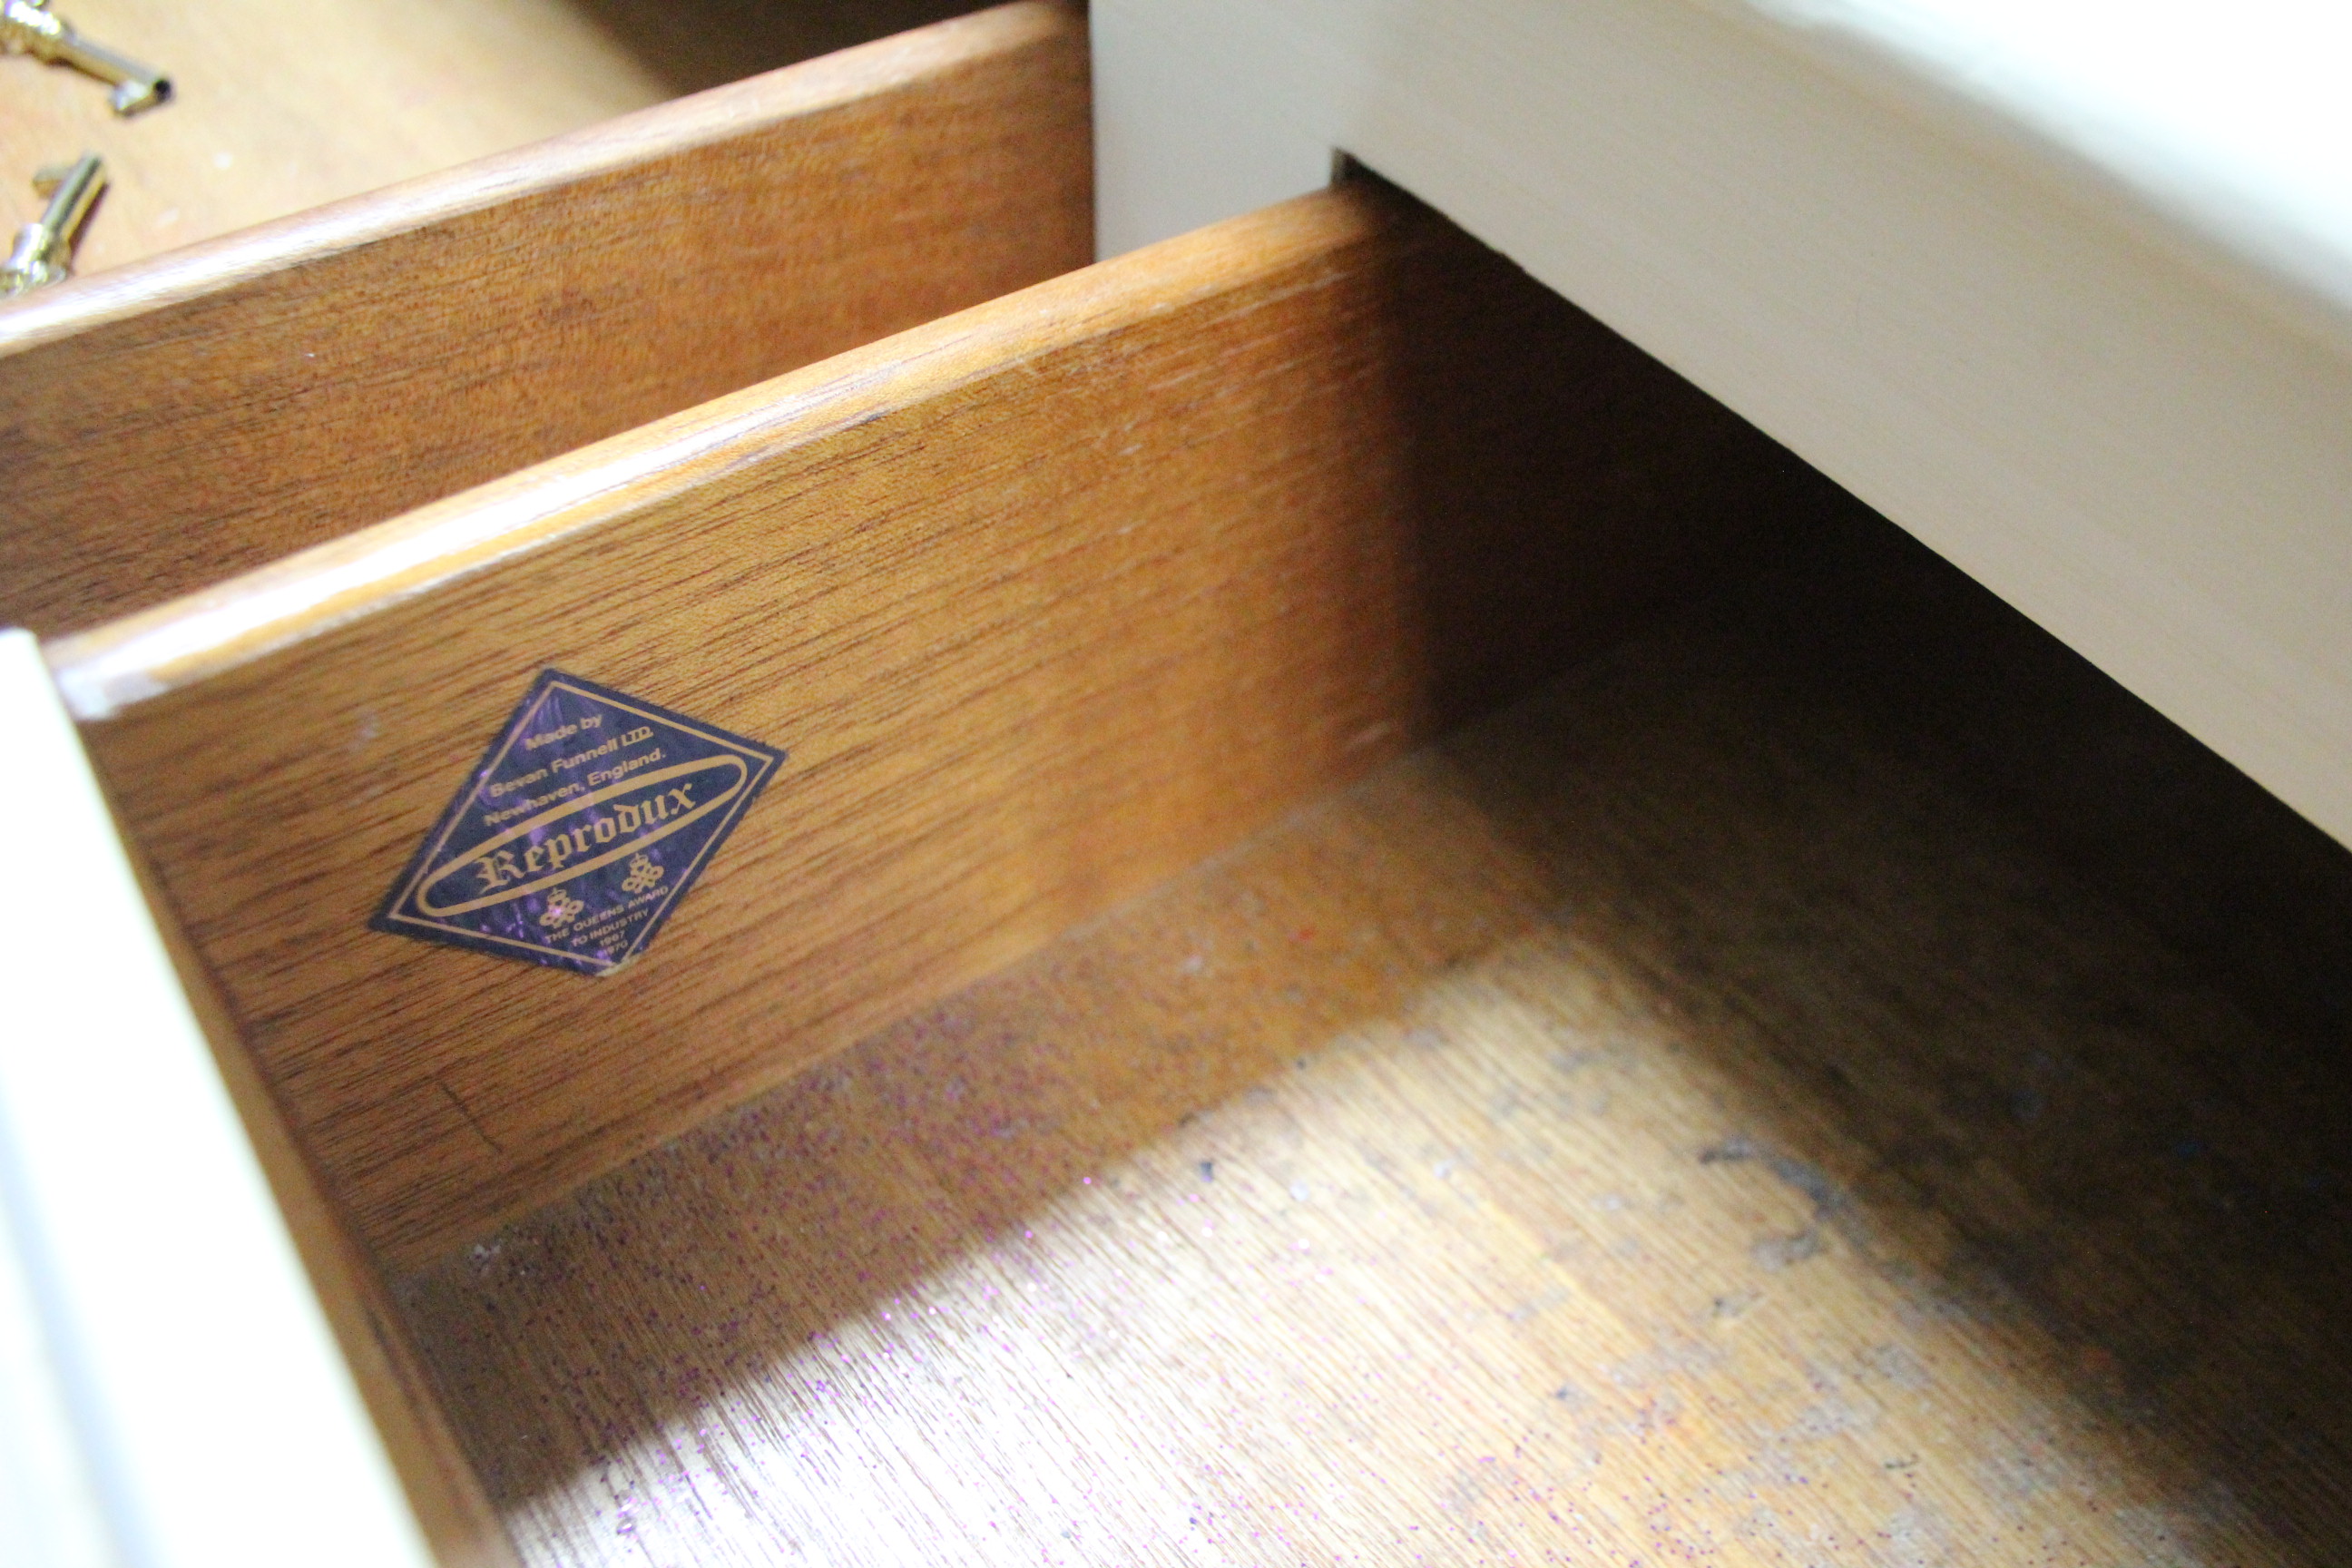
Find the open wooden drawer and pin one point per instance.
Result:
(174, 421)
(1622, 1130)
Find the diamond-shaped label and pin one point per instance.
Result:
(586, 822)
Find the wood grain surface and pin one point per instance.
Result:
(170, 423)
(1046, 600)
(283, 105)
(1671, 1122)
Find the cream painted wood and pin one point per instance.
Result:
(2110, 381)
(50, 1511)
(200, 1414)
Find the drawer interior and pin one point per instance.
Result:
(1385, 934)
(174, 421)
(1707, 1108)
(279, 106)
(1046, 600)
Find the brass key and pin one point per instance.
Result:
(27, 27)
(44, 252)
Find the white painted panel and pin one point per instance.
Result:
(193, 1389)
(2132, 422)
(2231, 118)
(51, 1514)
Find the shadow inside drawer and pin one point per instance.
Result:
(1734, 1101)
(705, 43)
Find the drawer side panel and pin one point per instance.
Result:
(168, 425)
(1046, 600)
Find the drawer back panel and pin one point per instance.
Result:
(167, 425)
(1046, 600)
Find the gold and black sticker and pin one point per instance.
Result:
(586, 824)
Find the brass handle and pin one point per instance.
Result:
(44, 248)
(27, 27)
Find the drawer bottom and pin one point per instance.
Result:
(1679, 1114)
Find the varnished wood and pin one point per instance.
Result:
(283, 105)
(279, 106)
(172, 423)
(1669, 1122)
(1047, 600)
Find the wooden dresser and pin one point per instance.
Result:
(1351, 922)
